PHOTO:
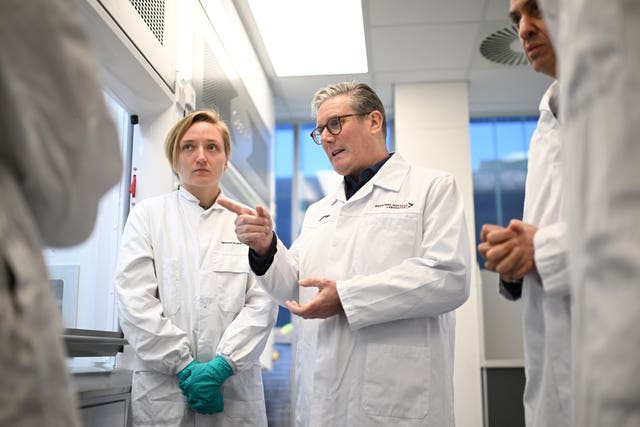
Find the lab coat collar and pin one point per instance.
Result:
(186, 195)
(390, 177)
(191, 199)
(550, 98)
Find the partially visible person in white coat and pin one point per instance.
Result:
(598, 50)
(531, 255)
(195, 317)
(376, 273)
(59, 154)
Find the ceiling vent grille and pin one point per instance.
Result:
(152, 12)
(503, 47)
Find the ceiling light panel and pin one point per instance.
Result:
(307, 38)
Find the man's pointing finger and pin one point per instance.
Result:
(234, 207)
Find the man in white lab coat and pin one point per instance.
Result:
(531, 254)
(58, 155)
(600, 70)
(376, 274)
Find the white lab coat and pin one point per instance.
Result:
(58, 155)
(399, 251)
(184, 292)
(546, 305)
(600, 75)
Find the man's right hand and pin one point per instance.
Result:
(508, 250)
(496, 244)
(254, 228)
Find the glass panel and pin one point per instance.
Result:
(317, 177)
(509, 140)
(483, 148)
(284, 171)
(283, 163)
(390, 142)
(83, 275)
(499, 153)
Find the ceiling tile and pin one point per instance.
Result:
(497, 9)
(506, 91)
(386, 12)
(421, 47)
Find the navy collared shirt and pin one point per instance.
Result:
(351, 186)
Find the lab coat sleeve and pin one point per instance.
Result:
(245, 338)
(552, 259)
(161, 345)
(61, 142)
(281, 279)
(433, 282)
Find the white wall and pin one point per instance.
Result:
(432, 129)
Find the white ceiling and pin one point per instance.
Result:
(418, 41)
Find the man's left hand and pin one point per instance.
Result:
(325, 304)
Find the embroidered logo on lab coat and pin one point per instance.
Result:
(394, 205)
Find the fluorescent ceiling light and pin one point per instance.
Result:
(312, 37)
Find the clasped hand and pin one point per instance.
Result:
(509, 250)
(201, 384)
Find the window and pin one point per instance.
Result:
(499, 154)
(284, 165)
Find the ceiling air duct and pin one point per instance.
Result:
(503, 47)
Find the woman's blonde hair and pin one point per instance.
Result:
(175, 135)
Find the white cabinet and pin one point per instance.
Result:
(107, 413)
(105, 398)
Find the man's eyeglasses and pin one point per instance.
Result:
(333, 125)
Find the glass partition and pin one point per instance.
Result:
(82, 276)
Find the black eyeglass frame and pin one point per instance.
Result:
(316, 134)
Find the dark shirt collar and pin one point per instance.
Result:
(351, 186)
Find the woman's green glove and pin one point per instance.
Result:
(186, 371)
(202, 382)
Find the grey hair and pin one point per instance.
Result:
(362, 99)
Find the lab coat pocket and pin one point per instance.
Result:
(156, 399)
(231, 277)
(170, 287)
(385, 240)
(243, 413)
(244, 398)
(396, 381)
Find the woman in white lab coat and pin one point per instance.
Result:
(185, 292)
(58, 155)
